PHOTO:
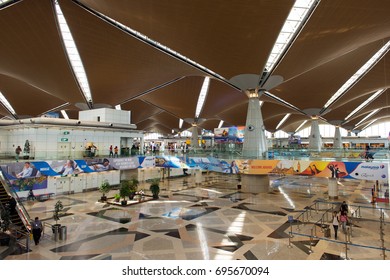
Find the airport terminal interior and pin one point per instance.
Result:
(243, 126)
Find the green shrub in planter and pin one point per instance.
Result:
(155, 187)
(104, 188)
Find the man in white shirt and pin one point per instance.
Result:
(26, 172)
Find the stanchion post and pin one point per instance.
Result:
(346, 250)
(311, 240)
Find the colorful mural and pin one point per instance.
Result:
(33, 175)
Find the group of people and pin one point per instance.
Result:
(341, 219)
(113, 152)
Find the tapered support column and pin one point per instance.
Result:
(337, 141)
(194, 138)
(333, 188)
(315, 142)
(254, 183)
(255, 144)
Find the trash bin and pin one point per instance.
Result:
(63, 233)
(56, 231)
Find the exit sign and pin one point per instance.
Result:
(64, 139)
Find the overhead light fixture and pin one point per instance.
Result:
(367, 117)
(64, 114)
(220, 123)
(6, 104)
(118, 107)
(298, 15)
(202, 96)
(365, 103)
(283, 120)
(356, 77)
(180, 123)
(73, 54)
(299, 127)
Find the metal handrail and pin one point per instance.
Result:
(21, 210)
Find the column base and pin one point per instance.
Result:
(255, 183)
(333, 188)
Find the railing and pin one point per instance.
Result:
(22, 238)
(376, 215)
(21, 210)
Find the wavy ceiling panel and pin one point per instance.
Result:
(32, 51)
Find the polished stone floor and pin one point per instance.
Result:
(215, 221)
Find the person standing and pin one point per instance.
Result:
(335, 223)
(37, 230)
(116, 151)
(18, 150)
(111, 154)
(344, 207)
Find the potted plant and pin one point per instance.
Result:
(26, 150)
(117, 197)
(155, 187)
(58, 207)
(104, 188)
(133, 186)
(124, 192)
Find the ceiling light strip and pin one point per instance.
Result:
(367, 117)
(297, 17)
(64, 114)
(220, 123)
(202, 96)
(154, 43)
(370, 123)
(302, 124)
(357, 76)
(365, 103)
(181, 121)
(283, 120)
(267, 93)
(73, 55)
(6, 104)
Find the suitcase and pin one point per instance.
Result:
(327, 232)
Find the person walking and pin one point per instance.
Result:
(111, 154)
(344, 220)
(37, 230)
(335, 223)
(18, 150)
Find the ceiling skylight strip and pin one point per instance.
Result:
(367, 117)
(160, 46)
(371, 122)
(298, 15)
(181, 123)
(359, 74)
(64, 114)
(6, 104)
(283, 102)
(365, 103)
(73, 55)
(202, 96)
(283, 120)
(299, 127)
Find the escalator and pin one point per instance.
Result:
(16, 221)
